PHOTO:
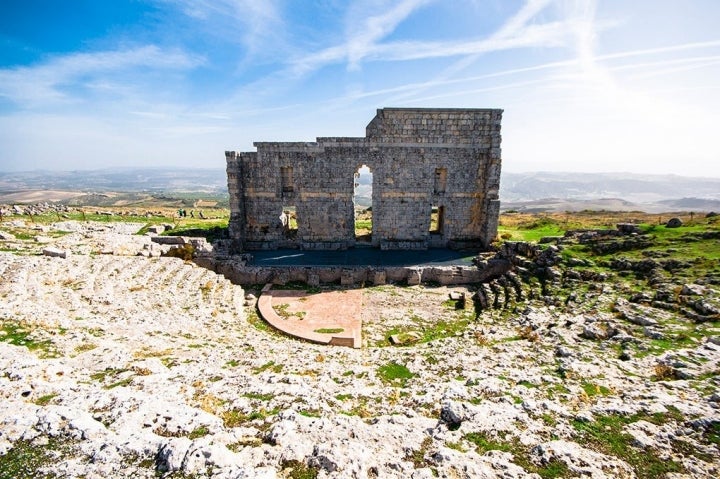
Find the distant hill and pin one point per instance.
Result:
(206, 180)
(630, 187)
(545, 191)
(532, 191)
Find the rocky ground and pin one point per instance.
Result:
(119, 363)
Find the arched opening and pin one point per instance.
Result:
(362, 203)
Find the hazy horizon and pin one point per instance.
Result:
(222, 168)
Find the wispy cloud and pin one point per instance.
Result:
(255, 23)
(516, 32)
(50, 81)
(361, 37)
(365, 43)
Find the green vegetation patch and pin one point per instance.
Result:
(235, 417)
(394, 374)
(199, 432)
(25, 460)
(268, 366)
(259, 396)
(299, 470)
(19, 334)
(329, 330)
(111, 374)
(521, 454)
(484, 442)
(45, 399)
(532, 230)
(425, 331)
(592, 389)
(606, 435)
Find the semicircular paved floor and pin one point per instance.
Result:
(329, 317)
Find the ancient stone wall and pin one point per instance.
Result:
(422, 160)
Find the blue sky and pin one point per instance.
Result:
(586, 85)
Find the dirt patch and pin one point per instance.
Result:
(36, 196)
(418, 309)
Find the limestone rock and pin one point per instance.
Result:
(55, 252)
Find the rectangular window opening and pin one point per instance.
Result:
(286, 179)
(436, 219)
(440, 180)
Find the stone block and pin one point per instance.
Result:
(414, 276)
(347, 277)
(55, 252)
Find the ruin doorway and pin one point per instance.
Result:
(288, 221)
(362, 205)
(437, 218)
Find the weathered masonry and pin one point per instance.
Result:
(425, 162)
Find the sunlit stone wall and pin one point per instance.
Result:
(427, 163)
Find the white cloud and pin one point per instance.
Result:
(48, 82)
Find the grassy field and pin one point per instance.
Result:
(213, 226)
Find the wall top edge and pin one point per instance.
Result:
(441, 110)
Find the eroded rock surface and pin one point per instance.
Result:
(134, 366)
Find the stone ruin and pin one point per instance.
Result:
(426, 162)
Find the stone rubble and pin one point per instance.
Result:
(147, 366)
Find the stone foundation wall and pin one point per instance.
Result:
(240, 273)
(447, 159)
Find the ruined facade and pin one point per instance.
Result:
(425, 162)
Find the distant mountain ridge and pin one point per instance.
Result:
(531, 191)
(206, 180)
(631, 187)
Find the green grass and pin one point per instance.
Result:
(592, 389)
(329, 330)
(425, 331)
(521, 454)
(110, 374)
(299, 470)
(235, 418)
(45, 400)
(606, 435)
(19, 334)
(533, 231)
(363, 224)
(268, 366)
(484, 443)
(199, 432)
(259, 396)
(25, 460)
(394, 374)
